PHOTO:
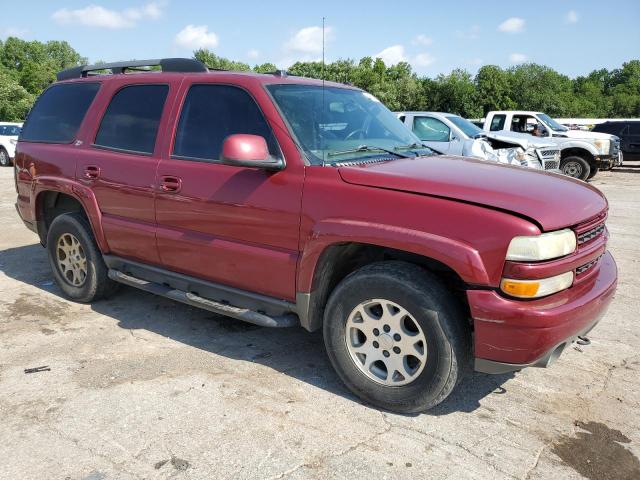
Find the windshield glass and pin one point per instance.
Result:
(551, 123)
(468, 128)
(337, 124)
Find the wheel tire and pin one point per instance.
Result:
(96, 284)
(5, 161)
(576, 167)
(431, 306)
(593, 172)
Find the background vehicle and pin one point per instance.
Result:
(582, 153)
(281, 201)
(629, 133)
(453, 135)
(8, 139)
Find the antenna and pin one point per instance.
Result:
(323, 106)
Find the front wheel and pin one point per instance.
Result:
(576, 167)
(5, 161)
(593, 172)
(396, 336)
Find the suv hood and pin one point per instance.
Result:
(552, 201)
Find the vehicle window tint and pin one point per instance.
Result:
(430, 129)
(634, 128)
(132, 118)
(497, 123)
(402, 118)
(213, 112)
(58, 113)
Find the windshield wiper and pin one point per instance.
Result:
(366, 148)
(414, 146)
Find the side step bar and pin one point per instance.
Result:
(246, 315)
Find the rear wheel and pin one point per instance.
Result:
(396, 336)
(5, 161)
(76, 261)
(576, 167)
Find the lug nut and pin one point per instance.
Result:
(376, 332)
(396, 349)
(376, 344)
(386, 328)
(385, 353)
(396, 337)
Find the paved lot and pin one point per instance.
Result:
(141, 387)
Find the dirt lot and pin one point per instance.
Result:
(141, 387)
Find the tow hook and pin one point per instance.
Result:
(583, 341)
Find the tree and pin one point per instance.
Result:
(15, 100)
(493, 89)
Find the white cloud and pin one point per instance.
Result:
(101, 17)
(13, 32)
(308, 40)
(422, 40)
(253, 53)
(392, 55)
(471, 34)
(512, 25)
(518, 58)
(572, 16)
(196, 36)
(423, 60)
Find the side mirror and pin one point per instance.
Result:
(244, 150)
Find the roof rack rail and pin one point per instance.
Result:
(183, 65)
(279, 73)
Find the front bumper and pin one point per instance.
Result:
(513, 334)
(605, 162)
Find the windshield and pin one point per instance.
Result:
(468, 128)
(551, 123)
(339, 124)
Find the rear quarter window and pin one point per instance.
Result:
(497, 123)
(58, 113)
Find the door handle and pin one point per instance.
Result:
(170, 184)
(91, 172)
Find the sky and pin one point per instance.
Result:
(572, 36)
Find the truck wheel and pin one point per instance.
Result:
(575, 167)
(396, 336)
(593, 172)
(5, 161)
(76, 261)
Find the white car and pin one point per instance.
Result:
(8, 139)
(453, 135)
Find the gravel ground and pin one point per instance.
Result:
(141, 387)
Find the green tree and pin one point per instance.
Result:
(493, 89)
(15, 100)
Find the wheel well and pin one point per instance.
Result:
(578, 152)
(51, 204)
(338, 261)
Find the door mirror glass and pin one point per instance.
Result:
(246, 150)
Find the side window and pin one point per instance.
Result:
(132, 118)
(213, 112)
(58, 113)
(497, 123)
(402, 118)
(430, 129)
(634, 128)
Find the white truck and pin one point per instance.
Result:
(453, 135)
(8, 139)
(582, 153)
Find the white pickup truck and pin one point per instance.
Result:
(453, 135)
(8, 139)
(582, 152)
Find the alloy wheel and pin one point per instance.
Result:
(71, 260)
(385, 342)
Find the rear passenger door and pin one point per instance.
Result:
(227, 224)
(120, 166)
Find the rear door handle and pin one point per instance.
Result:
(170, 184)
(91, 172)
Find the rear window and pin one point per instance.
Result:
(58, 113)
(634, 128)
(132, 119)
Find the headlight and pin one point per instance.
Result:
(536, 288)
(602, 146)
(542, 247)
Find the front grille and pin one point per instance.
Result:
(587, 266)
(615, 147)
(551, 165)
(549, 153)
(589, 235)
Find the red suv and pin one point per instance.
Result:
(286, 201)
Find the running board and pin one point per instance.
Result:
(246, 315)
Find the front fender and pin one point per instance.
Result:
(589, 147)
(460, 257)
(81, 193)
